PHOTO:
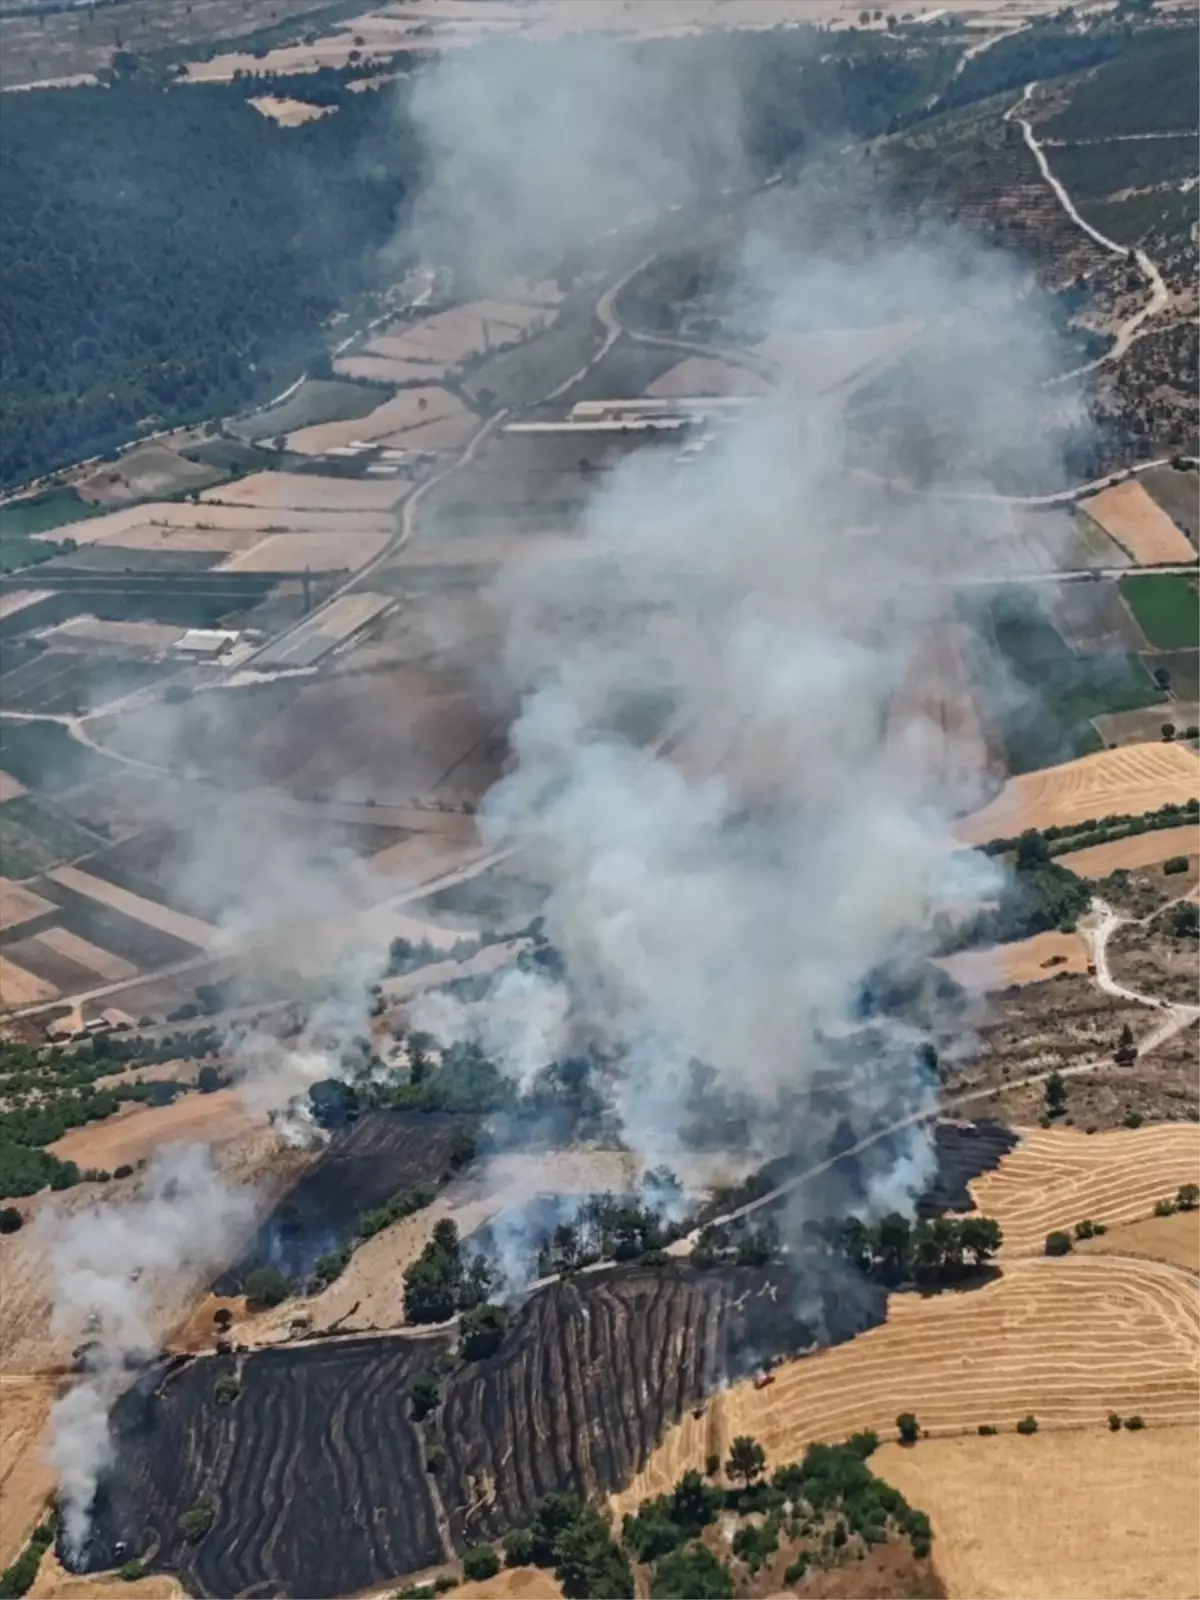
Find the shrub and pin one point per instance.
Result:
(123, 1171)
(1027, 1424)
(1175, 864)
(1187, 1196)
(988, 1430)
(518, 1547)
(1164, 1208)
(712, 1465)
(1168, 732)
(424, 1395)
(435, 1458)
(691, 1574)
(1133, 1119)
(226, 1390)
(797, 1570)
(194, 1524)
(482, 1331)
(1135, 1424)
(480, 1563)
(265, 1287)
(1058, 1244)
(908, 1428)
(1114, 1422)
(11, 1219)
(131, 1571)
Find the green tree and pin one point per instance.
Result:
(518, 1547)
(908, 1428)
(1027, 1424)
(424, 1395)
(482, 1331)
(194, 1524)
(265, 1287)
(747, 1459)
(480, 1563)
(1056, 1095)
(1058, 1243)
(1187, 1196)
(226, 1389)
(11, 1219)
(693, 1573)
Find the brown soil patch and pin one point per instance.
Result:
(10, 788)
(222, 522)
(1139, 850)
(180, 926)
(1057, 1177)
(1057, 1516)
(1068, 1340)
(1023, 961)
(514, 1583)
(54, 1582)
(1135, 779)
(1174, 1239)
(288, 113)
(409, 409)
(302, 491)
(21, 988)
(18, 904)
(702, 375)
(323, 552)
(102, 962)
(134, 1134)
(1133, 519)
(25, 1476)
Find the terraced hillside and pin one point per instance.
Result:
(589, 1376)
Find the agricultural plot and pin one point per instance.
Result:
(42, 513)
(1139, 850)
(145, 471)
(1045, 699)
(833, 359)
(1057, 1177)
(19, 905)
(115, 930)
(700, 375)
(36, 835)
(1022, 961)
(339, 550)
(1167, 608)
(318, 635)
(1067, 1340)
(26, 1477)
(21, 988)
(1178, 493)
(58, 972)
(1138, 524)
(1183, 669)
(1139, 727)
(390, 421)
(98, 634)
(1136, 779)
(1174, 1239)
(316, 401)
(381, 1155)
(304, 491)
(588, 1376)
(54, 682)
(535, 368)
(116, 527)
(1094, 619)
(176, 924)
(978, 1491)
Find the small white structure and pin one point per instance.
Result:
(206, 644)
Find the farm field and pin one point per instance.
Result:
(1135, 779)
(1140, 727)
(36, 835)
(1183, 666)
(10, 788)
(53, 682)
(817, 363)
(316, 401)
(135, 1132)
(1068, 1340)
(212, 517)
(934, 726)
(427, 349)
(26, 1478)
(42, 513)
(703, 375)
(1057, 1177)
(1017, 1518)
(141, 473)
(21, 988)
(1093, 617)
(1022, 961)
(336, 551)
(303, 491)
(1167, 608)
(1174, 1239)
(410, 409)
(1178, 493)
(286, 112)
(1139, 850)
(176, 924)
(1141, 526)
(19, 904)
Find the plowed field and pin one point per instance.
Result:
(1127, 512)
(1056, 1177)
(1135, 779)
(1058, 1515)
(307, 491)
(1139, 850)
(1068, 1340)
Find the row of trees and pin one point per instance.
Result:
(1037, 896)
(1061, 838)
(442, 1281)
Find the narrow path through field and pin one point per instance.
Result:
(1159, 296)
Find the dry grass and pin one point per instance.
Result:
(334, 551)
(390, 420)
(54, 1582)
(21, 988)
(514, 1583)
(25, 1476)
(701, 375)
(102, 962)
(1174, 1239)
(1139, 850)
(1069, 1340)
(19, 904)
(1136, 522)
(128, 526)
(1134, 779)
(1057, 1177)
(136, 1132)
(1030, 960)
(302, 491)
(176, 923)
(289, 113)
(1057, 1516)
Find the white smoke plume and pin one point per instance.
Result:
(110, 1265)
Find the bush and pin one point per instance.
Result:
(691, 1574)
(712, 1465)
(1114, 1422)
(265, 1287)
(1058, 1244)
(1164, 1208)
(435, 1458)
(1175, 864)
(1187, 1196)
(1027, 1424)
(518, 1547)
(480, 1563)
(482, 1331)
(194, 1524)
(1135, 1424)
(424, 1394)
(908, 1428)
(11, 1219)
(988, 1430)
(797, 1570)
(226, 1390)
(1133, 1119)
(123, 1171)
(131, 1571)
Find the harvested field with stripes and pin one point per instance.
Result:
(411, 408)
(1174, 1239)
(1068, 1340)
(135, 1132)
(304, 491)
(173, 923)
(1030, 960)
(1134, 779)
(25, 1475)
(336, 550)
(1139, 850)
(1058, 1515)
(1057, 1177)
(1142, 527)
(19, 987)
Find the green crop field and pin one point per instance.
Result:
(43, 756)
(1167, 607)
(35, 836)
(21, 519)
(1042, 695)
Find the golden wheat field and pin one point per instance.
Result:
(1174, 1239)
(1134, 779)
(1032, 960)
(1068, 1340)
(1057, 1177)
(1058, 1515)
(1134, 520)
(1139, 850)
(25, 1476)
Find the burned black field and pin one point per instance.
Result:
(320, 1440)
(363, 1166)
